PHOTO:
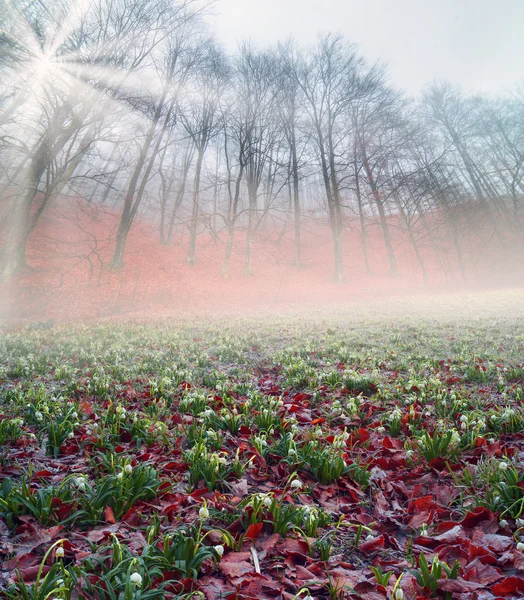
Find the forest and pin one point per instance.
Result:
(116, 114)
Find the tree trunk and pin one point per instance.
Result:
(194, 215)
(383, 219)
(15, 247)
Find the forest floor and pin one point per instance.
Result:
(331, 454)
(68, 276)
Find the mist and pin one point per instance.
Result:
(150, 166)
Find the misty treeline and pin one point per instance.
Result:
(134, 106)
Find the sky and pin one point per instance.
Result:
(477, 44)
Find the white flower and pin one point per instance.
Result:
(219, 549)
(59, 553)
(120, 475)
(128, 469)
(74, 415)
(38, 415)
(399, 594)
(70, 435)
(409, 453)
(520, 547)
(520, 522)
(381, 429)
(296, 484)
(503, 523)
(203, 513)
(136, 579)
(308, 597)
(80, 483)
(503, 466)
(267, 501)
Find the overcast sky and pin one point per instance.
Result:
(478, 44)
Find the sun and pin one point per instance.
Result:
(43, 65)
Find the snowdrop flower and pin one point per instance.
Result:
(80, 483)
(381, 429)
(463, 419)
(70, 435)
(59, 553)
(503, 523)
(296, 484)
(74, 415)
(219, 550)
(128, 469)
(38, 415)
(520, 547)
(120, 475)
(203, 513)
(136, 579)
(503, 466)
(409, 453)
(520, 522)
(399, 594)
(267, 501)
(308, 597)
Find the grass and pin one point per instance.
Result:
(235, 430)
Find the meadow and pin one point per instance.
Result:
(326, 455)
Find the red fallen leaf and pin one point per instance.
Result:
(43, 473)
(424, 503)
(30, 573)
(451, 536)
(100, 533)
(318, 421)
(234, 564)
(294, 547)
(85, 407)
(109, 516)
(510, 585)
(492, 541)
(458, 586)
(215, 588)
(481, 573)
(373, 544)
(132, 517)
(358, 435)
(305, 575)
(253, 531)
(476, 516)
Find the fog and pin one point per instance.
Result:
(171, 159)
